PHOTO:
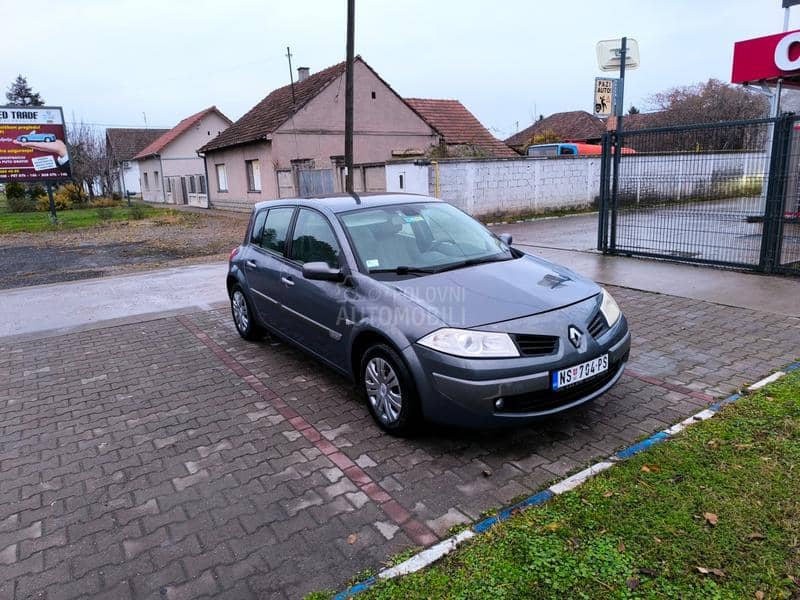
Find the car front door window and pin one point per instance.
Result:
(314, 240)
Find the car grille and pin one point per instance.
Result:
(598, 325)
(549, 399)
(536, 345)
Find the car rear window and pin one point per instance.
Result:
(276, 227)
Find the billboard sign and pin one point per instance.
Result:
(605, 96)
(33, 145)
(767, 58)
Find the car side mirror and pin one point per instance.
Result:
(506, 238)
(321, 271)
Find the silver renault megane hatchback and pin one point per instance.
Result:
(432, 315)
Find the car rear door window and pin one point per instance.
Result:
(276, 226)
(314, 240)
(258, 227)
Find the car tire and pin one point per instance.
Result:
(24, 140)
(244, 317)
(389, 391)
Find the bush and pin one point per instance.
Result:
(103, 203)
(35, 191)
(71, 193)
(116, 196)
(136, 212)
(61, 201)
(17, 200)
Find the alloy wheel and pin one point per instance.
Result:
(383, 390)
(240, 315)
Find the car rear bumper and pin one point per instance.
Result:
(465, 392)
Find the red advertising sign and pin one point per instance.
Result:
(767, 58)
(32, 144)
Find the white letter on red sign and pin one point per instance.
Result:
(782, 60)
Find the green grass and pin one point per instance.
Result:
(35, 222)
(642, 529)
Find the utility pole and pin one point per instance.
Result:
(291, 75)
(348, 98)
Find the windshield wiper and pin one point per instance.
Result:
(404, 270)
(469, 262)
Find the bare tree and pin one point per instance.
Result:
(88, 157)
(709, 102)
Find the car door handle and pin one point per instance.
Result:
(287, 280)
(251, 263)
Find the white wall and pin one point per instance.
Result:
(485, 187)
(414, 178)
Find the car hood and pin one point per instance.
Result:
(498, 291)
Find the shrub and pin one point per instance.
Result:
(72, 193)
(61, 201)
(35, 191)
(116, 196)
(17, 200)
(136, 212)
(103, 203)
(15, 190)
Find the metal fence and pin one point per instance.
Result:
(725, 194)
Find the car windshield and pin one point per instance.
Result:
(420, 238)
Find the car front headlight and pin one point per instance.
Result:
(610, 308)
(471, 344)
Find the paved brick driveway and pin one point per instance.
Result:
(171, 459)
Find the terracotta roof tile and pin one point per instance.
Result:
(458, 126)
(125, 143)
(273, 111)
(572, 126)
(157, 145)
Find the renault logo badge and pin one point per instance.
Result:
(575, 336)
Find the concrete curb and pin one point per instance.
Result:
(436, 552)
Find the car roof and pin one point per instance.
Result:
(343, 202)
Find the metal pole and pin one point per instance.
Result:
(53, 217)
(348, 98)
(291, 75)
(620, 109)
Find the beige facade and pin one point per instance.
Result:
(176, 175)
(305, 154)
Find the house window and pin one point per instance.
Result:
(156, 180)
(192, 186)
(202, 179)
(168, 184)
(253, 175)
(373, 95)
(146, 182)
(402, 177)
(222, 178)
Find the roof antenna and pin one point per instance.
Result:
(291, 78)
(356, 197)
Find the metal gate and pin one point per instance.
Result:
(725, 194)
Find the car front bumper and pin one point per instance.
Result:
(464, 392)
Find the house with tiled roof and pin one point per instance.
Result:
(462, 135)
(122, 144)
(571, 126)
(170, 169)
(292, 142)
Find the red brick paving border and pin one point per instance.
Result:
(417, 531)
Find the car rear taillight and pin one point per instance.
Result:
(234, 252)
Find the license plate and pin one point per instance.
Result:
(573, 375)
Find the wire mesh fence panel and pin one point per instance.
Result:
(695, 193)
(789, 229)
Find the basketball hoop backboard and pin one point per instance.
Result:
(609, 51)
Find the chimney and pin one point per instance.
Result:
(302, 74)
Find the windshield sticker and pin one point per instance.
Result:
(413, 218)
(373, 263)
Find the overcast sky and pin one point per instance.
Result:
(110, 61)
